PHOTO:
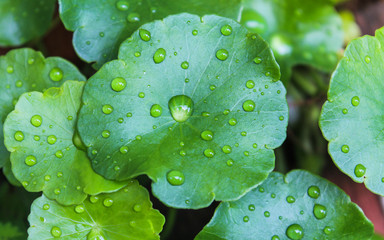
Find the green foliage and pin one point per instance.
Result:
(299, 32)
(24, 20)
(23, 70)
(126, 214)
(297, 206)
(45, 151)
(101, 26)
(352, 118)
(193, 107)
(9, 231)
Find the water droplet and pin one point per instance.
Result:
(79, 209)
(195, 32)
(145, 35)
(46, 207)
(243, 134)
(205, 114)
(290, 199)
(93, 199)
(367, 59)
(251, 207)
(156, 110)
(314, 192)
(19, 84)
(249, 106)
(345, 148)
(226, 30)
(226, 111)
(319, 211)
(185, 65)
(281, 118)
(10, 69)
(295, 232)
(232, 122)
(51, 139)
(227, 149)
(181, 107)
(36, 120)
(118, 84)
(212, 87)
(250, 84)
(129, 114)
(122, 5)
(56, 232)
(137, 208)
(230, 163)
(30, 160)
(141, 95)
(360, 170)
(159, 55)
(207, 135)
(59, 174)
(327, 230)
(275, 237)
(209, 153)
(124, 149)
(116, 168)
(175, 178)
(355, 101)
(345, 111)
(245, 219)
(105, 134)
(19, 136)
(133, 17)
(267, 214)
(257, 60)
(57, 191)
(137, 54)
(183, 153)
(108, 202)
(107, 109)
(56, 74)
(222, 54)
(47, 178)
(261, 189)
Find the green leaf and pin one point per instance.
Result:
(7, 171)
(101, 26)
(126, 214)
(45, 151)
(352, 118)
(23, 70)
(299, 32)
(24, 20)
(9, 231)
(298, 206)
(170, 108)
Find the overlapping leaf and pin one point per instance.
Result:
(24, 70)
(352, 118)
(193, 102)
(126, 214)
(101, 26)
(45, 151)
(298, 206)
(299, 32)
(24, 20)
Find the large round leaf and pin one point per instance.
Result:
(299, 32)
(24, 20)
(201, 108)
(24, 70)
(352, 118)
(126, 214)
(298, 206)
(101, 26)
(45, 154)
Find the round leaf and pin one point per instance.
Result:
(45, 154)
(101, 26)
(298, 206)
(352, 118)
(299, 32)
(24, 20)
(24, 70)
(126, 214)
(198, 111)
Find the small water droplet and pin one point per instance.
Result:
(141, 95)
(159, 55)
(232, 121)
(230, 163)
(243, 133)
(360, 170)
(319, 211)
(222, 54)
(275, 237)
(245, 219)
(124, 149)
(133, 17)
(59, 174)
(10, 69)
(195, 32)
(108, 202)
(19, 136)
(118, 84)
(367, 59)
(207, 135)
(156, 110)
(295, 232)
(249, 106)
(345, 111)
(79, 209)
(314, 192)
(257, 60)
(209, 153)
(250, 84)
(175, 178)
(267, 214)
(47, 178)
(51, 139)
(145, 35)
(93, 199)
(251, 207)
(57, 191)
(227, 149)
(36, 120)
(355, 101)
(19, 83)
(137, 208)
(327, 230)
(105, 134)
(122, 5)
(226, 30)
(46, 207)
(56, 232)
(30, 160)
(345, 148)
(56, 74)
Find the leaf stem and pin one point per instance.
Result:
(170, 223)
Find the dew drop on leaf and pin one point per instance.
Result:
(107, 109)
(185, 65)
(118, 84)
(79, 209)
(156, 110)
(133, 17)
(230, 163)
(209, 153)
(19, 136)
(30, 160)
(137, 208)
(319, 211)
(232, 121)
(51, 139)
(10, 69)
(145, 35)
(367, 59)
(108, 202)
(327, 230)
(251, 207)
(314, 192)
(175, 178)
(345, 148)
(56, 74)
(275, 237)
(181, 107)
(249, 106)
(360, 170)
(122, 5)
(222, 54)
(36, 120)
(46, 207)
(250, 84)
(159, 55)
(124, 149)
(207, 135)
(245, 219)
(227, 149)
(56, 232)
(93, 199)
(290, 199)
(105, 134)
(355, 101)
(257, 60)
(295, 232)
(226, 30)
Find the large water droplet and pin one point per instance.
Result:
(222, 54)
(19, 136)
(249, 106)
(30, 160)
(36, 120)
(209, 153)
(314, 192)
(181, 107)
(118, 84)
(159, 55)
(56, 232)
(250, 84)
(56, 74)
(355, 101)
(156, 110)
(175, 178)
(290, 199)
(207, 135)
(226, 30)
(360, 170)
(51, 139)
(227, 149)
(319, 211)
(107, 109)
(232, 121)
(185, 65)
(295, 232)
(145, 35)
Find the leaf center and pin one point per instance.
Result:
(181, 107)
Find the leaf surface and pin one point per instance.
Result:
(352, 118)
(126, 214)
(298, 206)
(201, 128)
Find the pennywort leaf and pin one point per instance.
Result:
(24, 20)
(299, 32)
(197, 106)
(23, 70)
(126, 214)
(352, 118)
(101, 26)
(297, 206)
(45, 151)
